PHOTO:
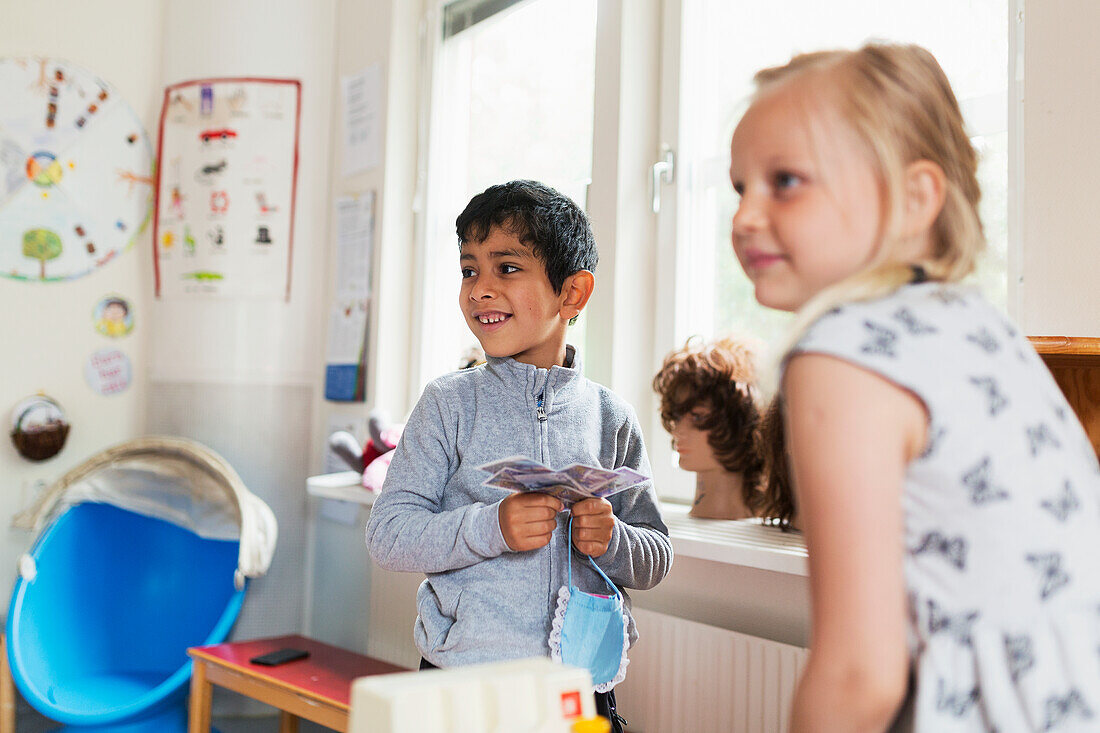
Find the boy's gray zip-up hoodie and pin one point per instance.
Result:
(481, 602)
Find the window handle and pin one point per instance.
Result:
(661, 172)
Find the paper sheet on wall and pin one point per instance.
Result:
(362, 120)
(354, 244)
(226, 185)
(345, 358)
(345, 366)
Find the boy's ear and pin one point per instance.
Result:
(925, 191)
(576, 290)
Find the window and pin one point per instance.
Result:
(512, 96)
(723, 44)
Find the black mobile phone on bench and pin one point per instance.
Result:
(279, 656)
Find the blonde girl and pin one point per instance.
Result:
(949, 497)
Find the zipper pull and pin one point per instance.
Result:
(539, 409)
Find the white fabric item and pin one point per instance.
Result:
(173, 479)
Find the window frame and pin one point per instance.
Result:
(632, 315)
(674, 299)
(432, 122)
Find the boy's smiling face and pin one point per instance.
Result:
(508, 302)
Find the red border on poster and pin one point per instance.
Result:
(293, 184)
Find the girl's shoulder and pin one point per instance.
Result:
(920, 336)
(915, 317)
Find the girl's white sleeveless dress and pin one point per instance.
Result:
(1002, 516)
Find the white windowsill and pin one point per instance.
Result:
(744, 542)
(343, 486)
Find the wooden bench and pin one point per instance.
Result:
(316, 688)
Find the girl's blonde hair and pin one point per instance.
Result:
(898, 102)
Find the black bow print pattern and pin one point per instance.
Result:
(955, 703)
(1021, 656)
(1040, 436)
(912, 325)
(948, 297)
(984, 340)
(995, 398)
(1051, 575)
(1062, 505)
(982, 490)
(882, 340)
(1058, 709)
(953, 549)
(956, 625)
(935, 437)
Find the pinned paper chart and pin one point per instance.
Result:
(76, 171)
(225, 188)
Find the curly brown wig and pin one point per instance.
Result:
(719, 377)
(774, 501)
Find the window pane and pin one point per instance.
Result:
(513, 99)
(726, 43)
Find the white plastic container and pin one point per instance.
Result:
(522, 696)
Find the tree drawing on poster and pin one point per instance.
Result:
(76, 171)
(224, 218)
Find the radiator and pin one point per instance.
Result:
(687, 677)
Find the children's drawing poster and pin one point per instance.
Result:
(226, 184)
(76, 171)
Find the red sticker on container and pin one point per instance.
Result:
(571, 704)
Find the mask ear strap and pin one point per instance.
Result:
(614, 588)
(569, 542)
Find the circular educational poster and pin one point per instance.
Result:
(108, 371)
(113, 316)
(76, 167)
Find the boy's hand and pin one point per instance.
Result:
(593, 522)
(527, 520)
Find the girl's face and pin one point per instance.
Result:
(691, 443)
(811, 206)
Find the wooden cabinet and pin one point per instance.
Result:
(1075, 364)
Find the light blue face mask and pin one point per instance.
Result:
(589, 630)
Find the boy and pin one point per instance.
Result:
(495, 560)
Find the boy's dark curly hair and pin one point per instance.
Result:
(554, 227)
(774, 501)
(718, 377)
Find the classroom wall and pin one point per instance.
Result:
(1059, 293)
(47, 331)
(243, 376)
(354, 603)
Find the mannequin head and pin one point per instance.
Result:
(708, 406)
